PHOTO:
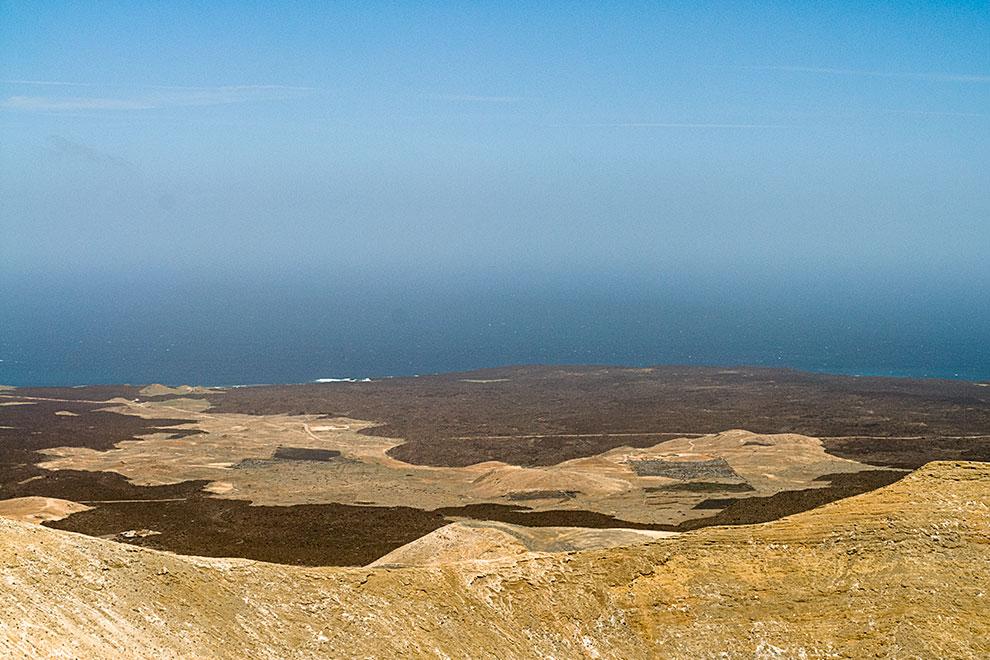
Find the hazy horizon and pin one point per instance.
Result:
(358, 190)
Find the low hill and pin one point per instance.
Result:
(490, 540)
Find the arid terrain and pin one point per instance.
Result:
(527, 512)
(900, 572)
(346, 473)
(475, 330)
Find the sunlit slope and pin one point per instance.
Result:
(902, 571)
(487, 540)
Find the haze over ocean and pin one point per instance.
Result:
(238, 193)
(300, 328)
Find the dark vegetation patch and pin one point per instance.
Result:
(524, 495)
(757, 443)
(304, 454)
(95, 487)
(525, 451)
(716, 468)
(701, 487)
(307, 534)
(520, 515)
(330, 462)
(433, 413)
(37, 427)
(751, 510)
(910, 454)
(715, 503)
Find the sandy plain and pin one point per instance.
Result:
(236, 454)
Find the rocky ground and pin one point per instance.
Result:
(903, 571)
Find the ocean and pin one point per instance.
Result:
(278, 328)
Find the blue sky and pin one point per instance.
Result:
(797, 140)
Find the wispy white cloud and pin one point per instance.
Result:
(151, 97)
(835, 71)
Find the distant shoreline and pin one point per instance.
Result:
(893, 374)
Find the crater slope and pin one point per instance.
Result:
(903, 571)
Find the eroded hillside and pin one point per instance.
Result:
(903, 571)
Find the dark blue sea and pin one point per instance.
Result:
(291, 328)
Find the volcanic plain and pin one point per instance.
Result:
(489, 464)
